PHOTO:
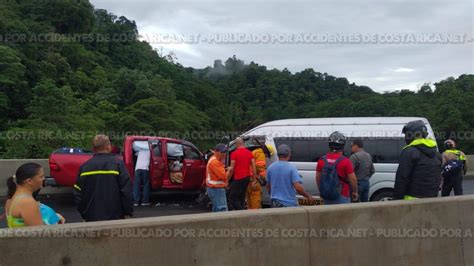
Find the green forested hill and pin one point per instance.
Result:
(68, 71)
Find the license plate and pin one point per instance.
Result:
(304, 201)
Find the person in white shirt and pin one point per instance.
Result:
(142, 174)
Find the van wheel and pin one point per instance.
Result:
(383, 195)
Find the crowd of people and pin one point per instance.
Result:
(421, 173)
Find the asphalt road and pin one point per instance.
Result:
(162, 205)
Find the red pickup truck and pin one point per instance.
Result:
(174, 164)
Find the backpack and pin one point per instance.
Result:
(452, 168)
(330, 187)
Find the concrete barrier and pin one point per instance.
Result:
(8, 168)
(419, 232)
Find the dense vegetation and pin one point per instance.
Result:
(61, 82)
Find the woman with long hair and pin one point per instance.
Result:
(21, 207)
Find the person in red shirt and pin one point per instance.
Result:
(242, 167)
(344, 169)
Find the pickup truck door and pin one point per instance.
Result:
(157, 164)
(194, 168)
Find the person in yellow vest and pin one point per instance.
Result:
(254, 190)
(454, 168)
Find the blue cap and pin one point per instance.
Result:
(283, 150)
(220, 148)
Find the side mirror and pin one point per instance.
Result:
(207, 155)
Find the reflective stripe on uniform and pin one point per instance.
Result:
(427, 142)
(409, 197)
(111, 172)
(77, 187)
(212, 182)
(457, 153)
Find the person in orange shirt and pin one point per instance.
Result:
(254, 190)
(216, 179)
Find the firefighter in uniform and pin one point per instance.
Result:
(103, 190)
(254, 189)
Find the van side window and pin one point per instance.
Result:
(174, 149)
(304, 149)
(388, 150)
(382, 150)
(191, 153)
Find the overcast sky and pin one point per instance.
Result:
(386, 65)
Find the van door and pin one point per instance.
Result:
(157, 164)
(194, 168)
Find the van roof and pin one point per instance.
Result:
(342, 121)
(350, 126)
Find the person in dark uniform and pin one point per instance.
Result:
(454, 169)
(419, 169)
(103, 190)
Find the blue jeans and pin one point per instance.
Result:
(340, 200)
(218, 198)
(142, 177)
(278, 204)
(363, 187)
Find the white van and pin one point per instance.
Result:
(307, 138)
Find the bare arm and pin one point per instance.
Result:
(230, 171)
(299, 188)
(444, 158)
(353, 182)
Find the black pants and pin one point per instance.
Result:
(237, 193)
(450, 183)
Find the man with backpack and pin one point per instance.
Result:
(454, 168)
(419, 168)
(335, 174)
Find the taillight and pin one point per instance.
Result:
(53, 167)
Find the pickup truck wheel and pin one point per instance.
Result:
(382, 195)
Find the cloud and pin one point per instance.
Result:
(380, 65)
(403, 70)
